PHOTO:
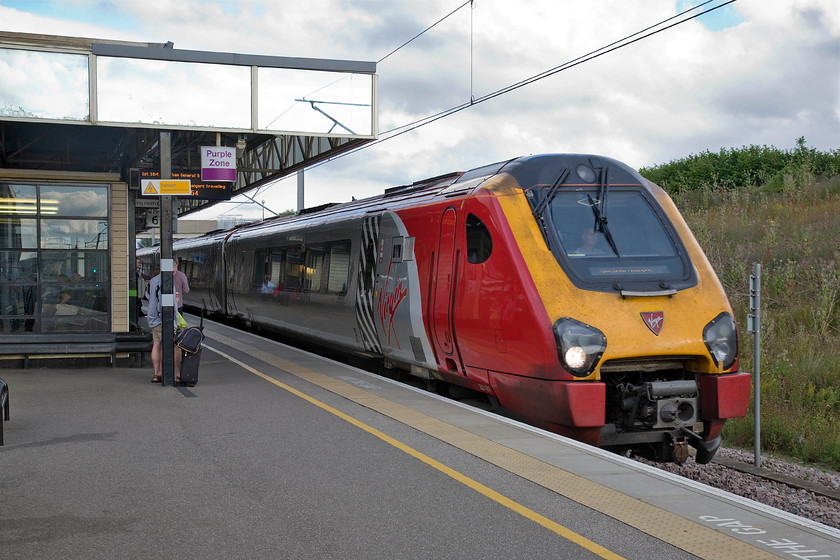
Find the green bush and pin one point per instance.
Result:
(750, 166)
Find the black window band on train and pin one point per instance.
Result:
(603, 226)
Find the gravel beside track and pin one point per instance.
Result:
(798, 501)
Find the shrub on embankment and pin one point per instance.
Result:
(780, 209)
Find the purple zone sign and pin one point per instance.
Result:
(218, 163)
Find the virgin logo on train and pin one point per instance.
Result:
(654, 320)
(388, 307)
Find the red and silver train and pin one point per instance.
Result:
(565, 287)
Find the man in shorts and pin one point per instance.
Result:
(154, 318)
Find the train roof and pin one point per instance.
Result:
(529, 171)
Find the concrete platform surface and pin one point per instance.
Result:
(280, 454)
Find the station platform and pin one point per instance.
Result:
(277, 453)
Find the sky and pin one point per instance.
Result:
(754, 72)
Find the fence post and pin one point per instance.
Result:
(754, 326)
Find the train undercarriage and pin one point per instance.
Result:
(653, 410)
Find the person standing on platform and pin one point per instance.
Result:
(154, 317)
(181, 286)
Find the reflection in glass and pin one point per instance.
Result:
(74, 234)
(315, 102)
(18, 291)
(642, 248)
(17, 267)
(44, 85)
(70, 307)
(67, 254)
(173, 93)
(18, 233)
(19, 200)
(75, 266)
(63, 200)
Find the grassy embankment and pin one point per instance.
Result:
(779, 208)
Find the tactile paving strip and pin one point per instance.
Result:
(682, 533)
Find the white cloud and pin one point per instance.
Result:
(770, 78)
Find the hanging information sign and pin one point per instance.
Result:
(161, 187)
(218, 163)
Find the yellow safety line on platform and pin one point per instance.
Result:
(685, 534)
(564, 532)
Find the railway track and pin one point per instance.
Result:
(801, 490)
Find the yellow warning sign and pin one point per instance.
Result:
(158, 187)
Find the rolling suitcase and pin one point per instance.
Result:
(189, 341)
(189, 367)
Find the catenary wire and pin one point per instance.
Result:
(574, 62)
(422, 32)
(615, 45)
(398, 131)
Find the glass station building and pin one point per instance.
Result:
(55, 258)
(74, 145)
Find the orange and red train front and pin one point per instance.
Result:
(595, 313)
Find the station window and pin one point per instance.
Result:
(54, 258)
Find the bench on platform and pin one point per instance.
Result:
(4, 406)
(135, 342)
(69, 345)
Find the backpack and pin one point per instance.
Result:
(189, 339)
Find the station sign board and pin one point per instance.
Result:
(218, 163)
(165, 187)
(147, 203)
(198, 188)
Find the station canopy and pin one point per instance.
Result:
(72, 104)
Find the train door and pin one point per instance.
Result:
(444, 285)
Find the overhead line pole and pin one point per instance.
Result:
(167, 295)
(754, 326)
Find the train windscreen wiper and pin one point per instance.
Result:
(601, 224)
(602, 193)
(549, 195)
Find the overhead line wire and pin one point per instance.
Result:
(427, 29)
(606, 49)
(565, 66)
(615, 45)
(574, 62)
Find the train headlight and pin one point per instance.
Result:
(579, 346)
(721, 338)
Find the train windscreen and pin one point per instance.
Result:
(619, 239)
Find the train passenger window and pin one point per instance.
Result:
(479, 240)
(314, 268)
(339, 268)
(261, 266)
(293, 269)
(275, 267)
